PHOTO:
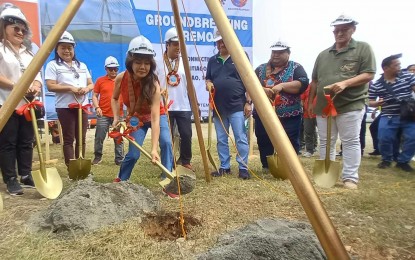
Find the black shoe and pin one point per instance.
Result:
(405, 167)
(384, 165)
(375, 152)
(221, 172)
(14, 188)
(118, 163)
(244, 174)
(27, 181)
(96, 160)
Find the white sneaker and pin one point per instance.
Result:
(413, 158)
(307, 154)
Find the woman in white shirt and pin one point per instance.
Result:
(16, 138)
(70, 80)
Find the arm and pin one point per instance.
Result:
(352, 82)
(311, 96)
(96, 104)
(53, 86)
(6, 83)
(89, 87)
(155, 123)
(115, 104)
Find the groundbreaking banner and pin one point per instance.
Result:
(105, 27)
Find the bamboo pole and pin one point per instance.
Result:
(23, 84)
(190, 88)
(308, 197)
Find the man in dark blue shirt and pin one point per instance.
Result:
(389, 90)
(233, 106)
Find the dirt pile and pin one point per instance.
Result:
(88, 205)
(268, 239)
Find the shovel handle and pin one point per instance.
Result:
(328, 143)
(38, 144)
(161, 166)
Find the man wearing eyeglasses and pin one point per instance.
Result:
(101, 99)
(344, 71)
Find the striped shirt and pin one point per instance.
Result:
(402, 89)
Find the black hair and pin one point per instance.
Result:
(412, 65)
(59, 60)
(388, 61)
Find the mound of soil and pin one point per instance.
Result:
(88, 205)
(187, 184)
(167, 226)
(268, 239)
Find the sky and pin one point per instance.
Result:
(388, 26)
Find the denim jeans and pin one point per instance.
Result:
(134, 154)
(347, 126)
(16, 147)
(101, 131)
(183, 120)
(389, 126)
(237, 121)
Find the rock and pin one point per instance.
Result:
(268, 239)
(88, 205)
(408, 227)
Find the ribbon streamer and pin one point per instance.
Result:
(330, 109)
(25, 109)
(86, 108)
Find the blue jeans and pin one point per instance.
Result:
(133, 153)
(388, 130)
(101, 131)
(237, 121)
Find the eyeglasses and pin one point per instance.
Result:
(17, 29)
(75, 73)
(112, 69)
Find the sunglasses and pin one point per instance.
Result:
(112, 69)
(17, 29)
(75, 73)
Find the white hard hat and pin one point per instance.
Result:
(171, 35)
(111, 62)
(66, 38)
(279, 46)
(12, 14)
(343, 19)
(141, 45)
(216, 35)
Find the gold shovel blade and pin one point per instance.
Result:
(79, 168)
(186, 177)
(326, 177)
(275, 167)
(1, 203)
(48, 185)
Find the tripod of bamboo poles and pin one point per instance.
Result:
(305, 191)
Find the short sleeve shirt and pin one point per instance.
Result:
(62, 74)
(333, 66)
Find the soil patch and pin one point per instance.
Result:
(167, 226)
(88, 205)
(268, 239)
(187, 184)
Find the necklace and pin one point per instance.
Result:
(173, 79)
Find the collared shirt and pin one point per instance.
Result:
(104, 87)
(177, 94)
(333, 66)
(63, 74)
(229, 88)
(402, 89)
(11, 69)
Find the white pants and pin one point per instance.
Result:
(347, 126)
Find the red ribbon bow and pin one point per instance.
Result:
(118, 135)
(25, 109)
(277, 100)
(167, 106)
(330, 109)
(211, 97)
(84, 108)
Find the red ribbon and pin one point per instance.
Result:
(211, 97)
(277, 100)
(166, 107)
(118, 135)
(330, 109)
(84, 108)
(25, 109)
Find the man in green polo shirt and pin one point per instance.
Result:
(345, 69)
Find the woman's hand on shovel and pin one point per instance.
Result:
(154, 156)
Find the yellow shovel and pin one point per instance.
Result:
(211, 160)
(1, 203)
(47, 181)
(79, 168)
(275, 167)
(326, 172)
